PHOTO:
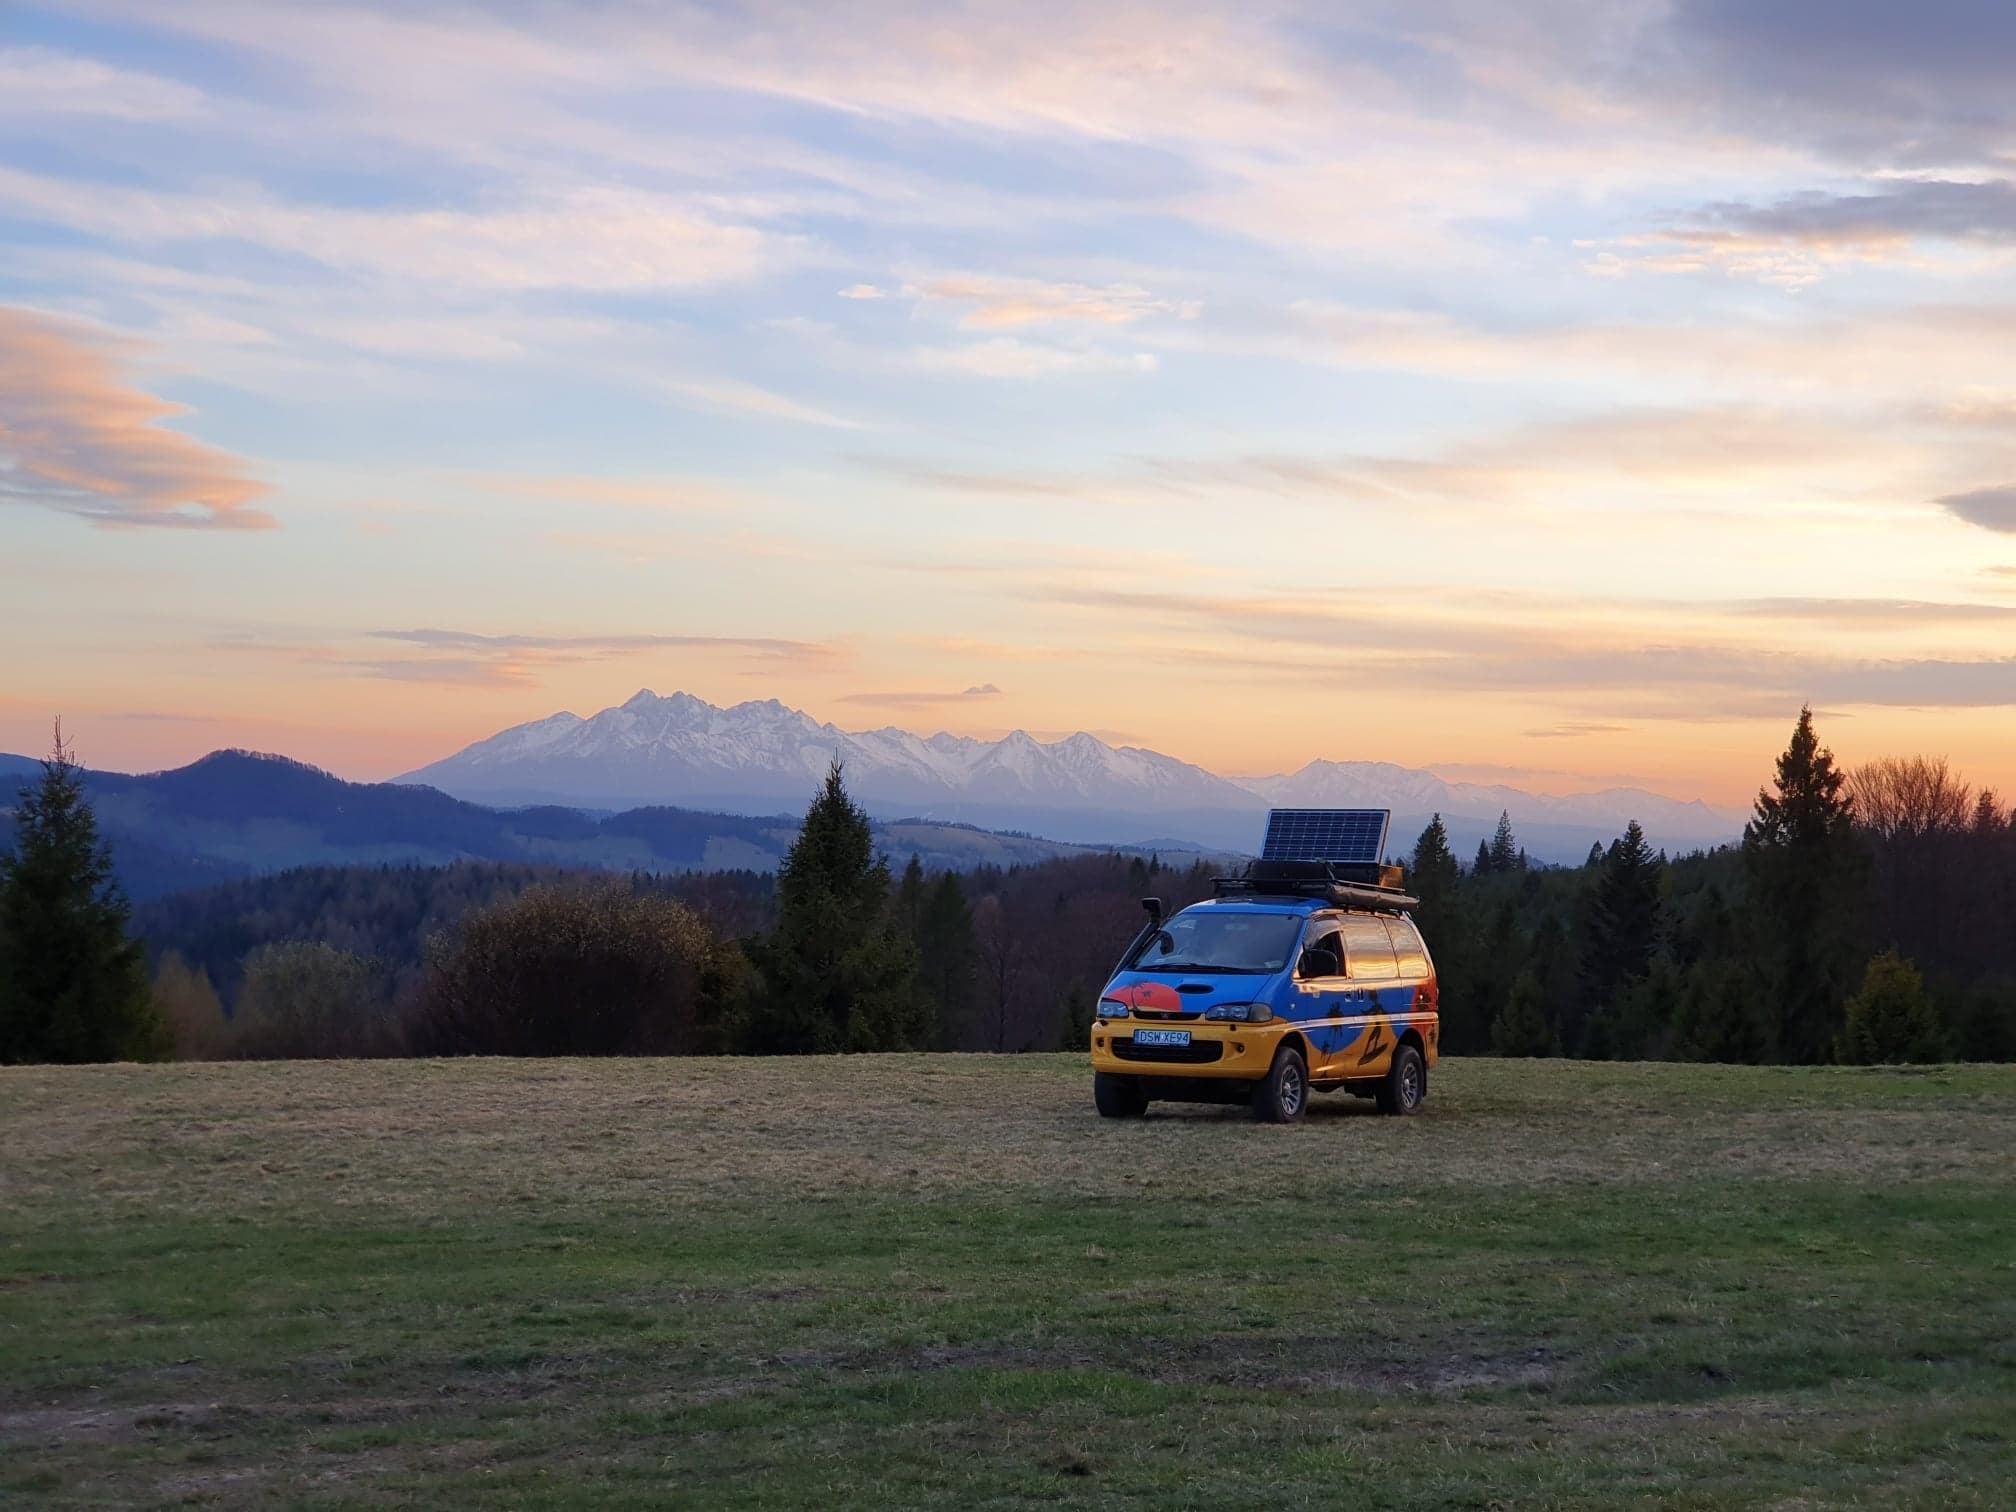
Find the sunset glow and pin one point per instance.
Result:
(1558, 394)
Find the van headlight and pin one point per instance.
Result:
(1240, 1013)
(1112, 1008)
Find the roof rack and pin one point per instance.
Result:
(1367, 885)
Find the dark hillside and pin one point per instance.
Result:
(242, 814)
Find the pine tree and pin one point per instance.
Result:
(1552, 960)
(1433, 873)
(1809, 880)
(1890, 1020)
(1506, 856)
(1723, 1016)
(73, 986)
(839, 973)
(946, 957)
(1642, 1017)
(910, 896)
(1493, 966)
(1521, 1029)
(1624, 918)
(1075, 1032)
(1481, 867)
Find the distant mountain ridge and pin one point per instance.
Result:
(762, 753)
(238, 813)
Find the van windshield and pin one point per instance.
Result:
(1245, 944)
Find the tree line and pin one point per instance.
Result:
(1866, 916)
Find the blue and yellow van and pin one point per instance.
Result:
(1298, 976)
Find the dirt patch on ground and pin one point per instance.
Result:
(1307, 1362)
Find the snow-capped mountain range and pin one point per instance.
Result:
(762, 757)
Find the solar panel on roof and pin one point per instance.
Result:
(1345, 836)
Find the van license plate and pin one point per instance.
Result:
(1161, 1036)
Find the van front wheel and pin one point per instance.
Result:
(1283, 1093)
(1406, 1085)
(1118, 1096)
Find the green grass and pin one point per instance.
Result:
(940, 1280)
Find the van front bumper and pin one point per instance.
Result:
(1216, 1052)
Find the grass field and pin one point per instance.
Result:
(940, 1280)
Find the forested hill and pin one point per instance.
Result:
(237, 814)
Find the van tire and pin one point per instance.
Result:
(1406, 1085)
(1118, 1096)
(1282, 1095)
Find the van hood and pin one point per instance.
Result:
(1180, 992)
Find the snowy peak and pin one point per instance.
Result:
(764, 757)
(682, 749)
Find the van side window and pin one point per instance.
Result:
(1407, 948)
(1368, 951)
(1328, 939)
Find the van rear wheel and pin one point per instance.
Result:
(1406, 1085)
(1118, 1096)
(1283, 1093)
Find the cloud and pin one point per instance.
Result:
(1990, 508)
(75, 436)
(1612, 458)
(588, 647)
(1796, 240)
(1005, 357)
(1439, 647)
(588, 237)
(38, 82)
(997, 304)
(862, 291)
(1863, 80)
(979, 693)
(1876, 613)
(1893, 213)
(446, 671)
(1580, 729)
(728, 396)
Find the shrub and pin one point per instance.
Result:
(1726, 1014)
(1891, 1020)
(1521, 1028)
(187, 1004)
(590, 970)
(303, 1000)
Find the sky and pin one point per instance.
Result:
(1557, 393)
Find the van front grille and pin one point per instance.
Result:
(1196, 1053)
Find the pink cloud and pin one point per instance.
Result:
(76, 436)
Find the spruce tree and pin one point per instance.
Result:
(1506, 856)
(1433, 873)
(1521, 1029)
(1625, 915)
(1723, 1016)
(1075, 1030)
(1481, 867)
(1436, 879)
(1809, 893)
(73, 986)
(910, 896)
(1640, 1019)
(1890, 1020)
(946, 957)
(1492, 964)
(839, 973)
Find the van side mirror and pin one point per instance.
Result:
(1154, 909)
(1319, 961)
